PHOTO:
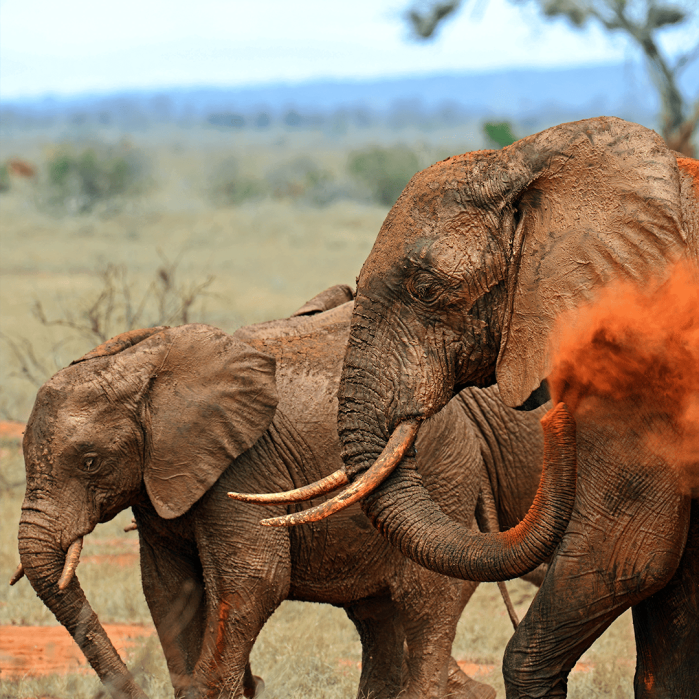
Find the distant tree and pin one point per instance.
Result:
(640, 20)
(499, 133)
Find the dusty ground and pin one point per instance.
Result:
(45, 650)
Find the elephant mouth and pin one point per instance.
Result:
(397, 446)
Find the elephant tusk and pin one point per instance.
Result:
(72, 560)
(307, 492)
(401, 440)
(131, 527)
(17, 575)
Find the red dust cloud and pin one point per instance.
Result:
(640, 347)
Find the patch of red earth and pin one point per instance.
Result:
(120, 559)
(11, 430)
(44, 650)
(475, 670)
(125, 552)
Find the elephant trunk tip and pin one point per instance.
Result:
(559, 419)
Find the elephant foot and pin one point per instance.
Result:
(461, 686)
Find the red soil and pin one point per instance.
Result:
(11, 430)
(43, 650)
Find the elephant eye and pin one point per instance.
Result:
(90, 463)
(425, 287)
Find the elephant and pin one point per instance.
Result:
(472, 269)
(168, 420)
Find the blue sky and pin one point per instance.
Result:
(75, 46)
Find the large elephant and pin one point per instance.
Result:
(472, 267)
(167, 421)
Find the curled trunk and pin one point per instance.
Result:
(403, 511)
(43, 561)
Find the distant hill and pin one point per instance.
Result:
(520, 95)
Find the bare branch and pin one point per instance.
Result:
(685, 59)
(30, 366)
(114, 309)
(427, 16)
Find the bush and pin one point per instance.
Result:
(228, 187)
(4, 178)
(79, 179)
(384, 171)
(499, 133)
(299, 179)
(303, 179)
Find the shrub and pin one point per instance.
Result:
(4, 178)
(499, 133)
(228, 187)
(79, 179)
(384, 171)
(302, 178)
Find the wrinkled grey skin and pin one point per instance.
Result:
(211, 575)
(472, 267)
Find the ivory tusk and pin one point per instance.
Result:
(401, 440)
(131, 527)
(307, 492)
(17, 575)
(72, 560)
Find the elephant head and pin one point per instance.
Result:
(472, 267)
(154, 415)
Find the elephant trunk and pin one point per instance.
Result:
(403, 511)
(44, 563)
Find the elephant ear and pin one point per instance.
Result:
(602, 204)
(210, 398)
(325, 300)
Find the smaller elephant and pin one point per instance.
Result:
(168, 420)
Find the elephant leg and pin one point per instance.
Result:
(623, 543)
(667, 630)
(173, 587)
(430, 606)
(246, 574)
(381, 633)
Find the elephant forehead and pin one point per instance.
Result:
(465, 248)
(444, 197)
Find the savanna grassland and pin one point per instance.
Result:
(228, 227)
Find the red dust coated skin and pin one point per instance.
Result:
(473, 266)
(168, 421)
